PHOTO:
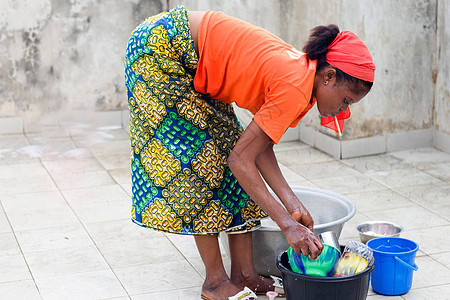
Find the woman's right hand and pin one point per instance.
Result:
(303, 240)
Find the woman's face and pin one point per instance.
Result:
(333, 98)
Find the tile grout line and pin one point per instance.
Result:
(21, 251)
(107, 171)
(170, 241)
(82, 224)
(424, 171)
(430, 256)
(85, 229)
(408, 198)
(185, 258)
(419, 203)
(398, 193)
(15, 235)
(430, 286)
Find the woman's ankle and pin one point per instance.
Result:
(255, 282)
(214, 281)
(243, 275)
(216, 289)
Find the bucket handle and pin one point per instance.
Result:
(413, 267)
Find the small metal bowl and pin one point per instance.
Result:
(375, 229)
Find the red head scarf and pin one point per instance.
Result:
(349, 54)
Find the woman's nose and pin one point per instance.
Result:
(343, 108)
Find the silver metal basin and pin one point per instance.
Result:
(329, 210)
(373, 229)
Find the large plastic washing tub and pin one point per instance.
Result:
(329, 210)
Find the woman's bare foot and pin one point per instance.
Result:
(257, 283)
(219, 290)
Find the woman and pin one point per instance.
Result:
(194, 170)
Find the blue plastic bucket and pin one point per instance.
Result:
(394, 264)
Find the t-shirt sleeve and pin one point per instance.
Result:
(282, 109)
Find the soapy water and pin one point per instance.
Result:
(34, 151)
(4, 152)
(376, 234)
(76, 153)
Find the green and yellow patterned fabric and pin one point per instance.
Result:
(180, 139)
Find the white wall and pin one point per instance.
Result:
(65, 56)
(403, 37)
(59, 58)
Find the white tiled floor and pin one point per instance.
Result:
(65, 231)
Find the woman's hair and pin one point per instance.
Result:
(317, 47)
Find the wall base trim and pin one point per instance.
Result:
(442, 141)
(342, 149)
(309, 135)
(33, 123)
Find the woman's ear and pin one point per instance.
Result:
(329, 74)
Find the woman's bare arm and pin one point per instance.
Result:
(243, 163)
(195, 18)
(268, 167)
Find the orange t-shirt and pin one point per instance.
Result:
(245, 64)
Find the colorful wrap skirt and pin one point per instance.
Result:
(180, 138)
